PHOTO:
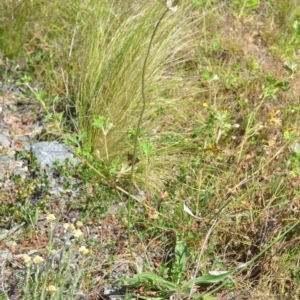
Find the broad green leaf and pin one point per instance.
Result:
(143, 278)
(72, 138)
(208, 279)
(99, 122)
(181, 252)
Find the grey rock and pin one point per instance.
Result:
(4, 141)
(3, 234)
(295, 147)
(47, 153)
(5, 254)
(115, 293)
(5, 159)
(23, 139)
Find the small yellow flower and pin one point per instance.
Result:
(83, 250)
(205, 105)
(51, 288)
(51, 218)
(77, 233)
(38, 260)
(79, 224)
(26, 259)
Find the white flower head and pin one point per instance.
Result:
(51, 288)
(26, 259)
(79, 224)
(51, 218)
(83, 250)
(172, 5)
(38, 260)
(77, 233)
(69, 226)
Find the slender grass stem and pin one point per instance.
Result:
(138, 128)
(105, 146)
(200, 256)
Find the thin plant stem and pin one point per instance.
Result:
(200, 256)
(138, 128)
(27, 277)
(105, 144)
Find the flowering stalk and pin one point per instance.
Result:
(171, 5)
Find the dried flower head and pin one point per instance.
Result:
(172, 5)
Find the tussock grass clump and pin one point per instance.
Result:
(108, 86)
(92, 55)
